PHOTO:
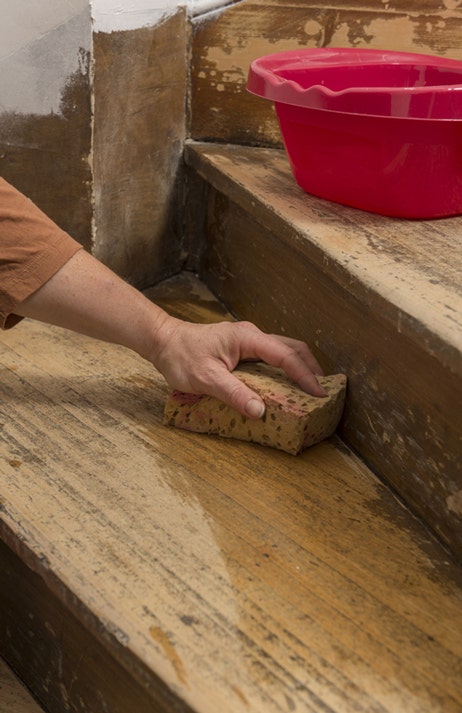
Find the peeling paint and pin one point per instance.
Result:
(313, 29)
(452, 4)
(392, 33)
(166, 642)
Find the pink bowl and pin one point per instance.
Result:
(362, 81)
(380, 131)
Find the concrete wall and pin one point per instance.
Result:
(40, 47)
(45, 107)
(41, 42)
(92, 122)
(141, 69)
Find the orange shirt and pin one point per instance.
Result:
(32, 249)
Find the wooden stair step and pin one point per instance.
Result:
(377, 298)
(14, 697)
(144, 568)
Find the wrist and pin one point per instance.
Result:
(161, 328)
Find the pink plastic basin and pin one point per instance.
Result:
(380, 131)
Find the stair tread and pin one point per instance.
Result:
(14, 697)
(410, 268)
(243, 578)
(378, 298)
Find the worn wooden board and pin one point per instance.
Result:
(139, 129)
(14, 698)
(224, 45)
(235, 577)
(378, 299)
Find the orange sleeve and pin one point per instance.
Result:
(32, 249)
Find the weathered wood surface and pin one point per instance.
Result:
(224, 45)
(139, 130)
(14, 698)
(379, 299)
(242, 578)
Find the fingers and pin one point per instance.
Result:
(201, 359)
(291, 355)
(303, 351)
(296, 368)
(224, 386)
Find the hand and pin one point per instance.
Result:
(199, 359)
(87, 297)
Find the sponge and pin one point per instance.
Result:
(293, 419)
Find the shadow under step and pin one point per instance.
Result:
(149, 569)
(14, 697)
(377, 298)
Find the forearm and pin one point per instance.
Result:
(87, 297)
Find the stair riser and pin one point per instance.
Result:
(67, 667)
(403, 405)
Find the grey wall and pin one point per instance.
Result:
(40, 47)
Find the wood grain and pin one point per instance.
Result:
(378, 299)
(14, 698)
(230, 576)
(139, 129)
(224, 45)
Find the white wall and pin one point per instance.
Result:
(198, 7)
(112, 15)
(39, 49)
(24, 21)
(109, 15)
(40, 42)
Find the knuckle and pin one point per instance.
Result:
(246, 325)
(238, 396)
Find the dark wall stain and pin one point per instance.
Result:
(46, 156)
(139, 129)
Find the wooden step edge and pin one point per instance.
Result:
(353, 246)
(65, 651)
(14, 696)
(293, 264)
(144, 568)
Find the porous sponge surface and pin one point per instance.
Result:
(293, 419)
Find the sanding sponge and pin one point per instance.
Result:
(293, 419)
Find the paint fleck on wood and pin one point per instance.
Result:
(224, 46)
(165, 640)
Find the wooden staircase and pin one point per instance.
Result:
(13, 696)
(378, 299)
(148, 570)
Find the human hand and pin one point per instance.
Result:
(200, 358)
(88, 298)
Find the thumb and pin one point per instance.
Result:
(229, 389)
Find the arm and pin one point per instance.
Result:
(87, 297)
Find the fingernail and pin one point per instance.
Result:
(255, 408)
